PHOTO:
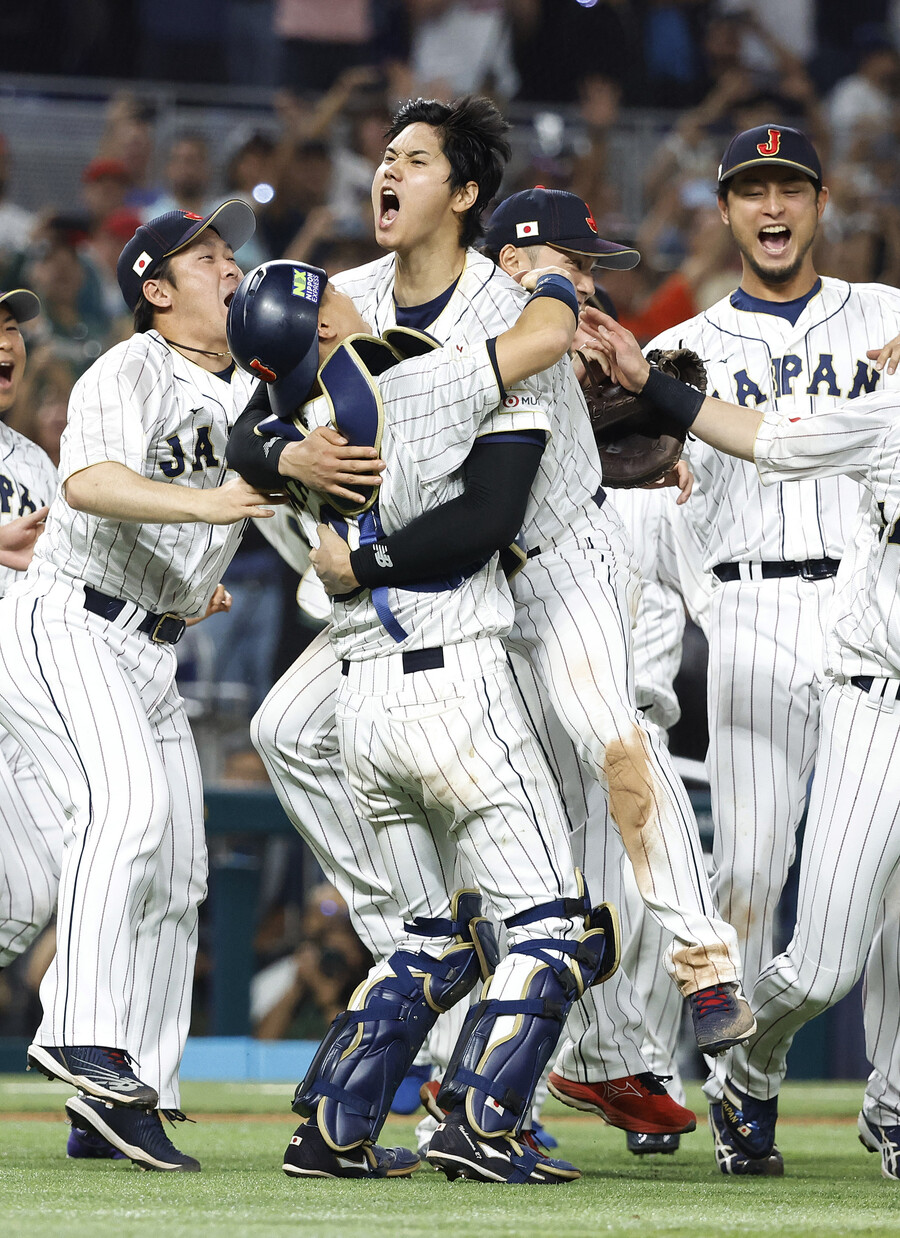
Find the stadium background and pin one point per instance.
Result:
(112, 111)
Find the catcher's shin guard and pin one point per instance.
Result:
(498, 1060)
(369, 1048)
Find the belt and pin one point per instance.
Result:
(811, 569)
(599, 498)
(166, 629)
(863, 682)
(413, 660)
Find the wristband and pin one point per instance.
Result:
(560, 288)
(676, 399)
(371, 565)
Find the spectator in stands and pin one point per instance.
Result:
(302, 186)
(102, 252)
(16, 224)
(104, 185)
(188, 178)
(73, 317)
(317, 979)
(128, 135)
(863, 107)
(322, 38)
(40, 409)
(461, 47)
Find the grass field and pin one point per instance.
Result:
(832, 1186)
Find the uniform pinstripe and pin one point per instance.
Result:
(765, 635)
(31, 822)
(95, 704)
(851, 856)
(578, 544)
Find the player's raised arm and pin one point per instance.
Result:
(545, 329)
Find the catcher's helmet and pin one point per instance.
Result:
(272, 329)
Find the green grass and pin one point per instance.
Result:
(831, 1185)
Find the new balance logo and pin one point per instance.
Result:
(382, 555)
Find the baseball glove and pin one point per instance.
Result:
(638, 444)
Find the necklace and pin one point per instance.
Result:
(205, 351)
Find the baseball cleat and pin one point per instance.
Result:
(87, 1145)
(633, 1103)
(722, 1018)
(732, 1161)
(461, 1153)
(749, 1122)
(309, 1156)
(103, 1073)
(137, 1134)
(642, 1144)
(883, 1139)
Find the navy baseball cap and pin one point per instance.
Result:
(778, 144)
(554, 217)
(22, 304)
(234, 221)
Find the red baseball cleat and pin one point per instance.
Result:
(635, 1103)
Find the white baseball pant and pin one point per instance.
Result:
(95, 705)
(31, 835)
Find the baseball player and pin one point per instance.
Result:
(851, 853)
(438, 760)
(135, 542)
(786, 334)
(424, 195)
(31, 822)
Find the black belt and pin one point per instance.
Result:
(812, 569)
(599, 498)
(863, 682)
(164, 629)
(413, 660)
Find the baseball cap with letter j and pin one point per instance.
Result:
(165, 235)
(778, 144)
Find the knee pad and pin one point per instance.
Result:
(368, 1050)
(494, 1071)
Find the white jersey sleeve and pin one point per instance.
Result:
(147, 407)
(862, 630)
(28, 481)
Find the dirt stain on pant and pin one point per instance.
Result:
(634, 804)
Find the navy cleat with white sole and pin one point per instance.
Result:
(137, 1134)
(458, 1150)
(749, 1122)
(883, 1139)
(103, 1073)
(309, 1155)
(732, 1161)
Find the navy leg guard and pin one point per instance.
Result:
(368, 1050)
(494, 1071)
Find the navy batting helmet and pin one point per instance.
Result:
(272, 329)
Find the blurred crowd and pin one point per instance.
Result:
(574, 72)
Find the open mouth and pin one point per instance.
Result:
(775, 239)
(6, 374)
(390, 205)
(229, 298)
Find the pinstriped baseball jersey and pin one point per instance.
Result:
(862, 631)
(27, 481)
(145, 406)
(761, 360)
(424, 445)
(649, 517)
(485, 303)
